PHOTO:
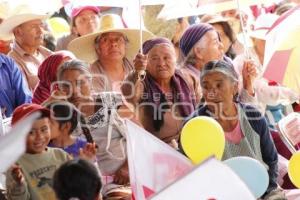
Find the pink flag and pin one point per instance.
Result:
(153, 164)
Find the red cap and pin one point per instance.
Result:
(26, 109)
(76, 11)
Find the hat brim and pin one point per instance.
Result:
(84, 47)
(6, 28)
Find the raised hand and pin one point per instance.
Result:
(88, 152)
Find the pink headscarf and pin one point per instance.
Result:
(47, 75)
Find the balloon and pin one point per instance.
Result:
(202, 137)
(294, 169)
(252, 172)
(58, 26)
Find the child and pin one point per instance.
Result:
(77, 179)
(31, 177)
(64, 120)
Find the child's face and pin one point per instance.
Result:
(39, 136)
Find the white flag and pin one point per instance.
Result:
(153, 164)
(13, 144)
(210, 180)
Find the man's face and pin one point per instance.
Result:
(111, 46)
(31, 33)
(86, 22)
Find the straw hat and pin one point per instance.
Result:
(20, 15)
(84, 48)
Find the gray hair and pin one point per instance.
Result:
(190, 59)
(74, 64)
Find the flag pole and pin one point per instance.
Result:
(244, 33)
(141, 73)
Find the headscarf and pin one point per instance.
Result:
(192, 35)
(182, 93)
(47, 75)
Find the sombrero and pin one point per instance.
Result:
(20, 15)
(84, 47)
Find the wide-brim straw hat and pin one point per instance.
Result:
(19, 15)
(84, 46)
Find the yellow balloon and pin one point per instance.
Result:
(294, 169)
(59, 26)
(202, 137)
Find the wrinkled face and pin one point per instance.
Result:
(161, 62)
(224, 38)
(39, 136)
(77, 86)
(218, 88)
(31, 33)
(213, 50)
(111, 46)
(86, 22)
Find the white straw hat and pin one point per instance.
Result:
(19, 15)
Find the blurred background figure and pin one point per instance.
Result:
(84, 20)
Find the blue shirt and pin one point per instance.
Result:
(13, 90)
(73, 149)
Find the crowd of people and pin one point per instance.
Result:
(91, 82)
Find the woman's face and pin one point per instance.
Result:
(77, 86)
(213, 50)
(86, 22)
(224, 38)
(218, 88)
(111, 45)
(161, 62)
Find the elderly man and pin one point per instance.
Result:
(109, 50)
(200, 44)
(13, 90)
(85, 20)
(27, 51)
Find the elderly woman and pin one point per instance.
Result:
(166, 95)
(224, 29)
(106, 126)
(200, 44)
(246, 131)
(47, 75)
(110, 50)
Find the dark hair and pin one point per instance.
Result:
(77, 178)
(230, 34)
(49, 42)
(64, 112)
